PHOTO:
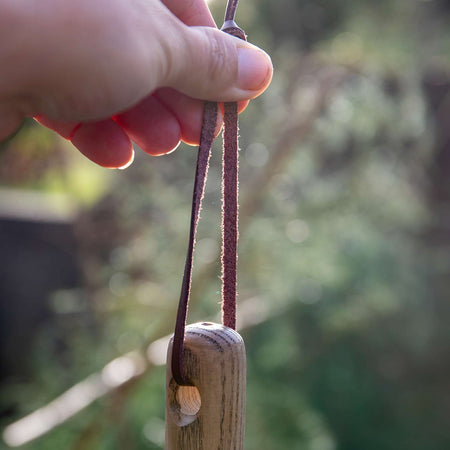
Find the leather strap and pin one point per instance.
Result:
(229, 212)
(204, 153)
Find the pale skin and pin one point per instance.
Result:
(107, 73)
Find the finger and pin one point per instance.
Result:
(192, 13)
(104, 142)
(242, 105)
(189, 113)
(64, 129)
(151, 126)
(208, 64)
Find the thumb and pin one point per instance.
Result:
(211, 65)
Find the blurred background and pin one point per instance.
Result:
(344, 267)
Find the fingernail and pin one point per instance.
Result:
(254, 69)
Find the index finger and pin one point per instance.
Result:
(191, 12)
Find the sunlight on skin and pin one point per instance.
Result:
(103, 108)
(158, 124)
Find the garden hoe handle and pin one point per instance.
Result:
(210, 414)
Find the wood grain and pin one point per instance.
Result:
(210, 415)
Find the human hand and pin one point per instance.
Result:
(109, 72)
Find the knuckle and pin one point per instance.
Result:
(221, 61)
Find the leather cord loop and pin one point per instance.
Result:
(204, 153)
(229, 212)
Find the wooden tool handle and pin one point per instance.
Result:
(210, 415)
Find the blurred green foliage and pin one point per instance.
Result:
(344, 240)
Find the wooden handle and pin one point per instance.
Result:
(211, 413)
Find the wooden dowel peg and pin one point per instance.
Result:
(210, 414)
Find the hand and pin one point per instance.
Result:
(107, 72)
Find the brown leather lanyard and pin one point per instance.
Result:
(229, 208)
